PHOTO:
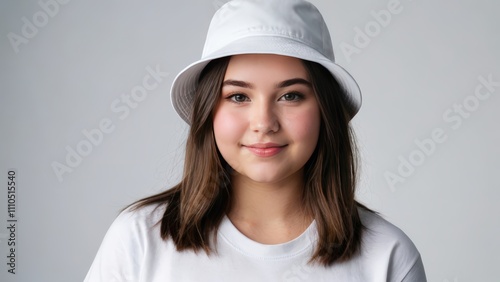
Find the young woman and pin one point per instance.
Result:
(270, 168)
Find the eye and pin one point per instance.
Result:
(292, 96)
(237, 98)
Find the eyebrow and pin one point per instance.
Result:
(285, 83)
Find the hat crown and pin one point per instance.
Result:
(293, 28)
(295, 19)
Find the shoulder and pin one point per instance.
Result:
(133, 224)
(128, 240)
(135, 228)
(388, 246)
(380, 230)
(139, 218)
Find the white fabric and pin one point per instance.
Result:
(292, 28)
(132, 250)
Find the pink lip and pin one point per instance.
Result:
(265, 149)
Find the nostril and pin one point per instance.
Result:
(265, 125)
(263, 117)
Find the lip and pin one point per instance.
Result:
(265, 149)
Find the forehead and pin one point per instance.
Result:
(267, 67)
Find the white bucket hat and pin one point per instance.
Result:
(292, 28)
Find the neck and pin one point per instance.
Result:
(269, 208)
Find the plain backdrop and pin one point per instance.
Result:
(427, 131)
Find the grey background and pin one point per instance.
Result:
(66, 77)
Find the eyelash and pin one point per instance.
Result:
(233, 96)
(297, 97)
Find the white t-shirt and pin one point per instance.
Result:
(133, 250)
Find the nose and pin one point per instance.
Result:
(264, 118)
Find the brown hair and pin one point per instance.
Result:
(196, 206)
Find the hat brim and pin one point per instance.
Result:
(186, 82)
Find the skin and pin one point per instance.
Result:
(266, 127)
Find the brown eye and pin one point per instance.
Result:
(238, 98)
(292, 96)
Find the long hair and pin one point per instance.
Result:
(196, 206)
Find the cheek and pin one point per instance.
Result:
(305, 126)
(227, 127)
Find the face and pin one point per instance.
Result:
(267, 122)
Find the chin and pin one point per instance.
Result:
(267, 176)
